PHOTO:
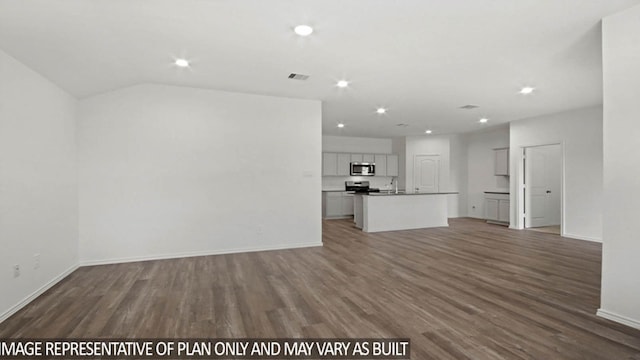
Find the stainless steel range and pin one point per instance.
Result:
(359, 187)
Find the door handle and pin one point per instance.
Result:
(548, 191)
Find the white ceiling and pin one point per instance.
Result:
(422, 59)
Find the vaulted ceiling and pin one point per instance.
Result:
(420, 59)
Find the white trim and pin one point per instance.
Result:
(618, 318)
(580, 237)
(24, 302)
(195, 253)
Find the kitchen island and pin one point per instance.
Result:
(388, 211)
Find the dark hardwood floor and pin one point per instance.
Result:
(470, 291)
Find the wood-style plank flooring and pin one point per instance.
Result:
(470, 291)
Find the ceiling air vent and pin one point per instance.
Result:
(469, 107)
(295, 76)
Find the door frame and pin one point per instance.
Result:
(518, 219)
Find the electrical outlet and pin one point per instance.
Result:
(16, 270)
(36, 261)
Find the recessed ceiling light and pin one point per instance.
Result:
(428, 132)
(182, 63)
(342, 84)
(381, 110)
(340, 125)
(483, 120)
(303, 30)
(526, 90)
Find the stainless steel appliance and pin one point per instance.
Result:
(363, 169)
(361, 187)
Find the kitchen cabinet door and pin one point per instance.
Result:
(356, 158)
(329, 164)
(497, 208)
(332, 204)
(344, 165)
(492, 209)
(347, 204)
(334, 207)
(501, 162)
(503, 210)
(381, 165)
(368, 158)
(337, 204)
(392, 165)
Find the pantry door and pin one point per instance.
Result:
(426, 173)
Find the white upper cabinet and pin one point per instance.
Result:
(392, 165)
(344, 164)
(339, 164)
(329, 164)
(381, 165)
(501, 161)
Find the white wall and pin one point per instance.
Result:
(38, 197)
(451, 149)
(350, 144)
(481, 167)
(580, 133)
(621, 245)
(458, 175)
(399, 147)
(428, 145)
(356, 145)
(168, 171)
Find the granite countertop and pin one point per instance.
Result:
(393, 193)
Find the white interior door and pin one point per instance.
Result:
(543, 186)
(426, 175)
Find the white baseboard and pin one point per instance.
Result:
(194, 254)
(618, 318)
(14, 309)
(580, 237)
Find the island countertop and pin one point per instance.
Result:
(393, 193)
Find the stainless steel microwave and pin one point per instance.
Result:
(363, 169)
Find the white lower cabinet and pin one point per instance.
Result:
(347, 204)
(503, 210)
(337, 204)
(497, 208)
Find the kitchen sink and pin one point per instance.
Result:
(391, 192)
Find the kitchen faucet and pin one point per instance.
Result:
(394, 181)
